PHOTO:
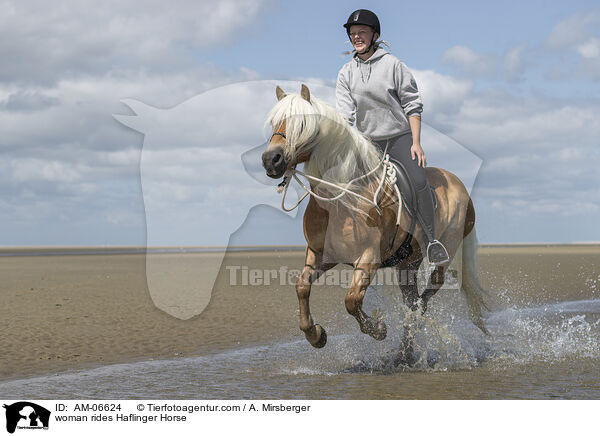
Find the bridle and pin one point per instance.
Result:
(388, 172)
(280, 134)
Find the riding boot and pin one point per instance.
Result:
(436, 252)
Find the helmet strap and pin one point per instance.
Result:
(370, 45)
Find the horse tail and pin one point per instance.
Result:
(474, 292)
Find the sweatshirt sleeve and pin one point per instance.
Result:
(408, 93)
(343, 99)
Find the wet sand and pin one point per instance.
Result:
(68, 312)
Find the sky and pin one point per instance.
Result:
(124, 123)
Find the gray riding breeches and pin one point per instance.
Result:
(398, 148)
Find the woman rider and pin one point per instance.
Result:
(377, 93)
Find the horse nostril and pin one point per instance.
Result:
(276, 159)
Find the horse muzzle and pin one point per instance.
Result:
(274, 162)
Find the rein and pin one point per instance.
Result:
(389, 172)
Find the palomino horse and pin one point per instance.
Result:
(353, 230)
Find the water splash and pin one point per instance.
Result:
(548, 333)
(445, 340)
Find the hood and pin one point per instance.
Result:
(379, 53)
(365, 66)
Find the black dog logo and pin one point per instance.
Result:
(27, 415)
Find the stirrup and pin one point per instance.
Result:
(437, 253)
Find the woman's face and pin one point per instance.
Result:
(361, 35)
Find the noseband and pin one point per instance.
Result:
(280, 134)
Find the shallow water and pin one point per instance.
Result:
(544, 352)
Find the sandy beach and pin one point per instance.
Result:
(66, 312)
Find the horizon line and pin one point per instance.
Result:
(225, 247)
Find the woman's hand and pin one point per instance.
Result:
(417, 152)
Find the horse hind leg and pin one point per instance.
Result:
(452, 240)
(407, 276)
(434, 283)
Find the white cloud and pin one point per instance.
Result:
(540, 153)
(532, 207)
(573, 30)
(28, 169)
(514, 66)
(193, 177)
(71, 64)
(590, 48)
(441, 93)
(49, 41)
(470, 61)
(71, 158)
(505, 120)
(127, 157)
(570, 51)
(575, 42)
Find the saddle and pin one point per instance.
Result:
(407, 189)
(409, 201)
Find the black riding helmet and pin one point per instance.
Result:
(363, 16)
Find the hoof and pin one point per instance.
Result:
(380, 332)
(377, 331)
(322, 337)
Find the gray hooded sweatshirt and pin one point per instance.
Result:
(378, 95)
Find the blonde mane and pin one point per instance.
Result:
(338, 151)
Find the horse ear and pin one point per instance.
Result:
(279, 92)
(305, 93)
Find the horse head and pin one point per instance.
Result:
(294, 123)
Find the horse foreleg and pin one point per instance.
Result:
(363, 274)
(313, 268)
